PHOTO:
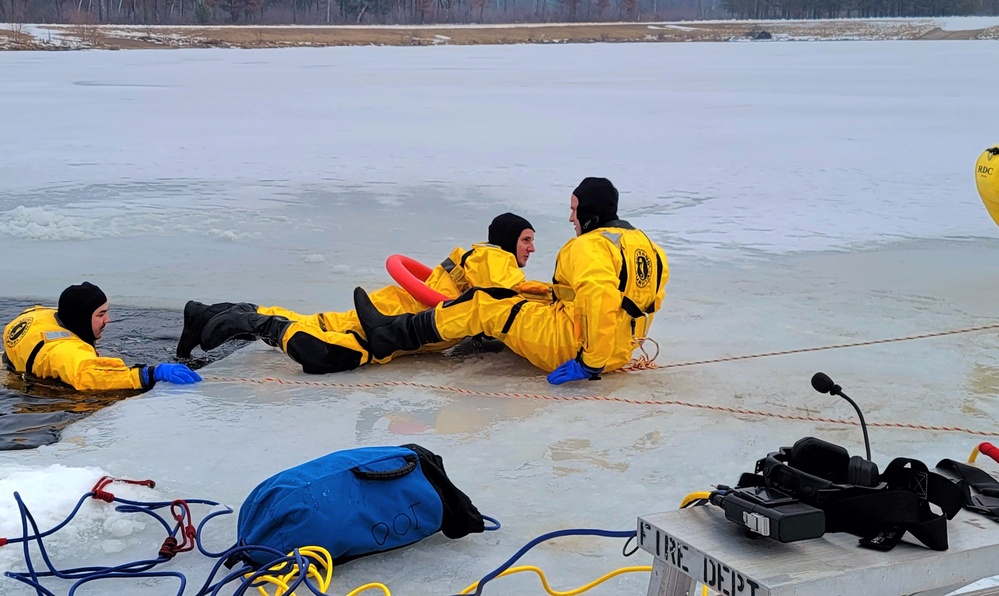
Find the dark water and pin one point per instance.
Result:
(34, 412)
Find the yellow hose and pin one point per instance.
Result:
(974, 455)
(579, 590)
(697, 496)
(691, 498)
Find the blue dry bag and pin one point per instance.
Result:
(354, 503)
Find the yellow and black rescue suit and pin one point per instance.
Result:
(314, 339)
(334, 341)
(608, 283)
(37, 343)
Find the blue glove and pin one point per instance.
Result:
(170, 372)
(573, 370)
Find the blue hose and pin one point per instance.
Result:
(557, 534)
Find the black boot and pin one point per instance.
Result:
(389, 334)
(196, 316)
(242, 319)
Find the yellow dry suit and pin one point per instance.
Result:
(608, 284)
(334, 341)
(36, 343)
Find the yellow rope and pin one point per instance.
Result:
(321, 570)
(285, 573)
(371, 586)
(579, 590)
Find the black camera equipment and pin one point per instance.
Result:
(814, 486)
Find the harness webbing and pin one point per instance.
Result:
(880, 515)
(980, 490)
(29, 365)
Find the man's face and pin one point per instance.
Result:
(525, 246)
(99, 320)
(573, 204)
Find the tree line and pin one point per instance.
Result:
(831, 9)
(335, 12)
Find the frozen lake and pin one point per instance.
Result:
(807, 194)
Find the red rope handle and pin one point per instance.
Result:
(108, 496)
(169, 548)
(181, 511)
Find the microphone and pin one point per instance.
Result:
(823, 384)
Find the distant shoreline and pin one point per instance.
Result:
(124, 37)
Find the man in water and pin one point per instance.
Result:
(333, 341)
(61, 344)
(609, 280)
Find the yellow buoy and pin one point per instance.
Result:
(987, 179)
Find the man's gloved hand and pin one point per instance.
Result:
(170, 372)
(573, 370)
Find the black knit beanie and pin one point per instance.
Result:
(76, 309)
(505, 231)
(597, 203)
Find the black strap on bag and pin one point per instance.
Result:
(406, 468)
(980, 490)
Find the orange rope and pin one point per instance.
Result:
(820, 348)
(644, 362)
(623, 400)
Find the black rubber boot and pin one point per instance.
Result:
(389, 334)
(242, 319)
(196, 316)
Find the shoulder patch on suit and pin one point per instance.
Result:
(614, 237)
(17, 332)
(643, 268)
(54, 335)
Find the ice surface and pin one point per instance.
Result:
(807, 195)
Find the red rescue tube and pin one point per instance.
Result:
(410, 274)
(990, 450)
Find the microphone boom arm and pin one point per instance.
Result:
(823, 384)
(863, 423)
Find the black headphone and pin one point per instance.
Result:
(813, 465)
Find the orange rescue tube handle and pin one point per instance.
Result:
(410, 274)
